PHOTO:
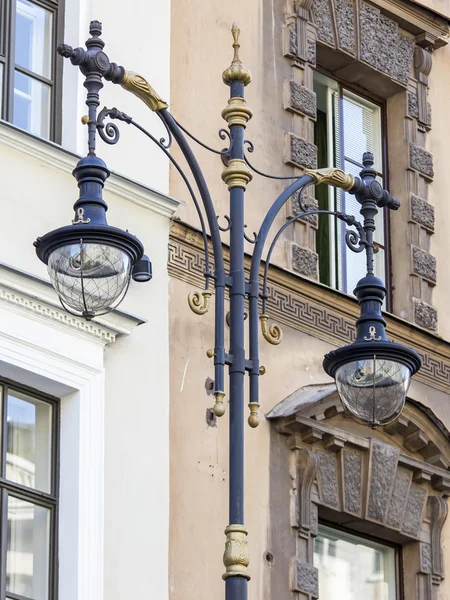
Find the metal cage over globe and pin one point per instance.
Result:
(89, 262)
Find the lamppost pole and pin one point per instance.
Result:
(90, 264)
(236, 175)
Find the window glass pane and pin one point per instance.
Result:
(31, 105)
(29, 426)
(33, 38)
(1, 89)
(27, 558)
(352, 568)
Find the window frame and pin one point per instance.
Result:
(371, 538)
(44, 499)
(7, 53)
(382, 104)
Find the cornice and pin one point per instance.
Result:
(417, 19)
(35, 298)
(55, 156)
(313, 308)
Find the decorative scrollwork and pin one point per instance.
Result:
(199, 302)
(372, 335)
(228, 220)
(223, 134)
(249, 239)
(353, 241)
(272, 334)
(251, 148)
(109, 132)
(162, 140)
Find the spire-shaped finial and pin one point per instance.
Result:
(236, 71)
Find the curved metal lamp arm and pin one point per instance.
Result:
(356, 241)
(273, 334)
(110, 134)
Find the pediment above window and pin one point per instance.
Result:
(390, 483)
(315, 414)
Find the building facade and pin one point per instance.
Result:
(333, 509)
(113, 466)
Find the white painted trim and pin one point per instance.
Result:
(55, 156)
(35, 354)
(36, 298)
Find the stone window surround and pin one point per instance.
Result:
(365, 484)
(318, 30)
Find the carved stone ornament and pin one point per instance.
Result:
(368, 483)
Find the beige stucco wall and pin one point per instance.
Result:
(201, 51)
(199, 453)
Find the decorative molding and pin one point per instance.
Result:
(315, 309)
(307, 468)
(438, 514)
(422, 213)
(422, 65)
(383, 47)
(35, 297)
(424, 264)
(300, 99)
(57, 157)
(300, 152)
(304, 261)
(58, 363)
(434, 28)
(417, 429)
(421, 160)
(425, 315)
(308, 203)
(305, 579)
(365, 481)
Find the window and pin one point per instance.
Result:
(347, 126)
(30, 90)
(29, 493)
(353, 568)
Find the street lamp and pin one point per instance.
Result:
(91, 263)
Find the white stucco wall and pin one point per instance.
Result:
(114, 523)
(137, 37)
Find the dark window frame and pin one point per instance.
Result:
(46, 500)
(371, 538)
(381, 102)
(7, 49)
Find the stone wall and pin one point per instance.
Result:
(360, 44)
(386, 485)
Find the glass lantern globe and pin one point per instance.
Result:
(90, 278)
(373, 389)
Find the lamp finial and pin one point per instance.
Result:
(236, 71)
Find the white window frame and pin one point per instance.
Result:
(48, 358)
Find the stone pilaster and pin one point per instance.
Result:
(300, 151)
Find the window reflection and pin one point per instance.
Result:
(31, 105)
(28, 441)
(27, 557)
(353, 568)
(33, 49)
